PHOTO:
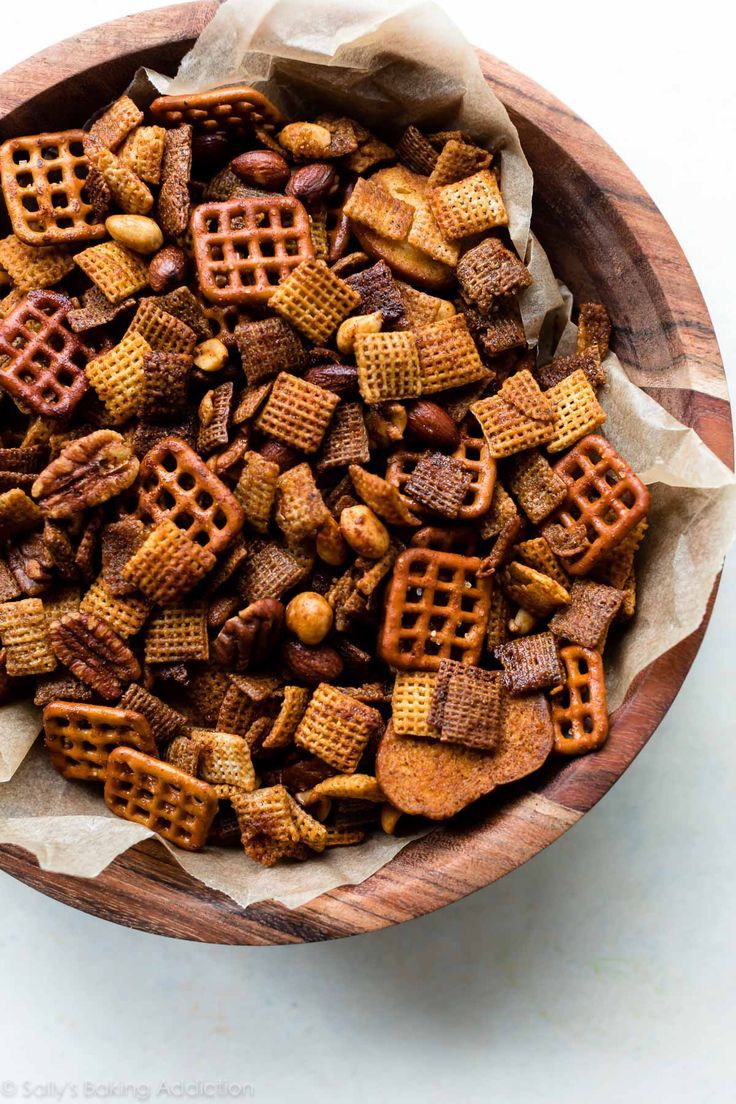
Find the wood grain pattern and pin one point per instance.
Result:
(606, 238)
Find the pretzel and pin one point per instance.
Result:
(530, 663)
(244, 247)
(579, 710)
(31, 267)
(337, 728)
(468, 206)
(603, 495)
(517, 418)
(23, 631)
(314, 300)
(436, 608)
(43, 361)
(236, 111)
(160, 797)
(115, 270)
(461, 540)
(43, 181)
(490, 272)
(467, 705)
(177, 634)
(588, 616)
(411, 702)
(535, 486)
(577, 411)
(448, 356)
(175, 483)
(118, 377)
(297, 412)
(80, 737)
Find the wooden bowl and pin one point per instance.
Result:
(595, 220)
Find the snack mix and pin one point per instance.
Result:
(299, 540)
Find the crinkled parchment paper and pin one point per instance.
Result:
(408, 65)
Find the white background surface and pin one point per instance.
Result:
(601, 971)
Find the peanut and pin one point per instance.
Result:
(138, 232)
(307, 141)
(365, 533)
(309, 617)
(330, 544)
(211, 355)
(358, 324)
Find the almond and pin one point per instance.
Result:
(312, 665)
(341, 379)
(432, 425)
(312, 183)
(262, 168)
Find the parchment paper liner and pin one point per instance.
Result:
(411, 65)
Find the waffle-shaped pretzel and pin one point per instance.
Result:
(579, 712)
(175, 483)
(43, 361)
(436, 608)
(80, 737)
(166, 800)
(603, 494)
(244, 247)
(472, 454)
(236, 111)
(43, 181)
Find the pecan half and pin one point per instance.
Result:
(252, 634)
(94, 653)
(87, 471)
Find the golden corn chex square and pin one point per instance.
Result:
(425, 234)
(448, 356)
(125, 615)
(23, 631)
(115, 270)
(256, 490)
(469, 206)
(293, 706)
(31, 266)
(516, 418)
(411, 702)
(116, 122)
(456, 161)
(314, 300)
(374, 207)
(168, 564)
(388, 366)
(163, 332)
(532, 590)
(337, 728)
(577, 411)
(224, 759)
(118, 376)
(177, 634)
(143, 151)
(297, 412)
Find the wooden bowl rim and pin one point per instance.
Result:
(455, 861)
